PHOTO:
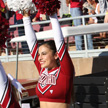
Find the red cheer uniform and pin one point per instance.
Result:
(54, 85)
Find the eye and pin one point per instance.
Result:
(44, 53)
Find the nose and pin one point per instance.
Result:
(40, 57)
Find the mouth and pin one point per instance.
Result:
(41, 62)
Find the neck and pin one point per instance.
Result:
(53, 67)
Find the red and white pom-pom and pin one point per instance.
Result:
(47, 6)
(4, 26)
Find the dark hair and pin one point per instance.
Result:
(51, 45)
(15, 92)
(96, 1)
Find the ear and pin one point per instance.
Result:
(56, 56)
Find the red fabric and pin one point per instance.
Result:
(55, 85)
(2, 4)
(4, 25)
(18, 16)
(47, 6)
(8, 100)
(38, 15)
(7, 96)
(76, 3)
(14, 103)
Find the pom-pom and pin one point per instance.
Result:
(21, 5)
(4, 26)
(47, 6)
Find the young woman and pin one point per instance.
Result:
(54, 64)
(8, 97)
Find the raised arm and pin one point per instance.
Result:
(31, 40)
(29, 32)
(65, 60)
(58, 36)
(5, 88)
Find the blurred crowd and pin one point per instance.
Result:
(69, 8)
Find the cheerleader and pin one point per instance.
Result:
(8, 96)
(54, 64)
(8, 92)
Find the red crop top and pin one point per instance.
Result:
(55, 85)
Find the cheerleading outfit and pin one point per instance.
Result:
(7, 99)
(54, 85)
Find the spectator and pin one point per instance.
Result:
(37, 17)
(64, 9)
(21, 32)
(92, 6)
(76, 10)
(41, 17)
(104, 9)
(100, 19)
(8, 13)
(96, 5)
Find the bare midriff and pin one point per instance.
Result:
(53, 105)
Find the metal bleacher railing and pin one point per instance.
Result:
(10, 53)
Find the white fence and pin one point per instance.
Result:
(67, 31)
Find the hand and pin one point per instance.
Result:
(34, 19)
(26, 14)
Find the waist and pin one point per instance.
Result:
(75, 5)
(44, 104)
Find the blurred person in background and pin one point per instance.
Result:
(104, 9)
(18, 18)
(92, 7)
(75, 11)
(64, 9)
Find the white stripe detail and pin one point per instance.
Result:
(5, 92)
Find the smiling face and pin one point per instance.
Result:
(46, 57)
